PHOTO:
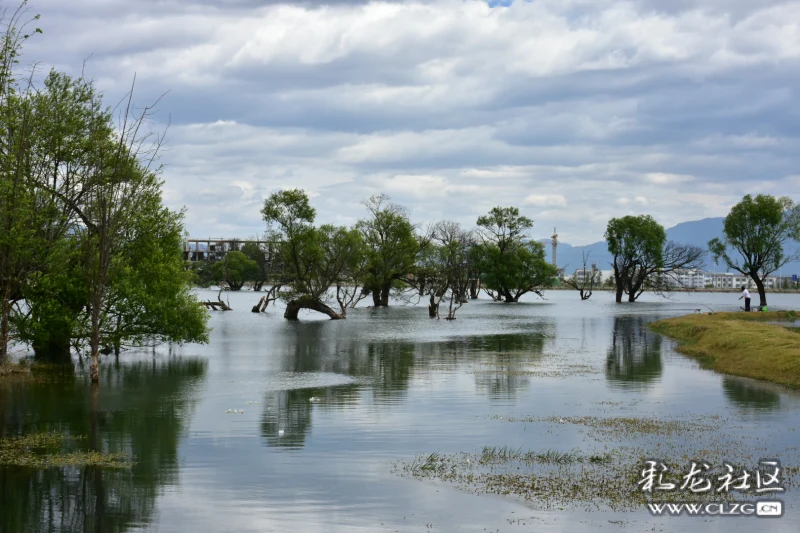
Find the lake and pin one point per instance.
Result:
(306, 426)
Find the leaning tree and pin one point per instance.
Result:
(754, 235)
(314, 258)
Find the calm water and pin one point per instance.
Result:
(331, 406)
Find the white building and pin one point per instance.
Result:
(690, 279)
(700, 279)
(736, 280)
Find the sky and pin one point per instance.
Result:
(575, 111)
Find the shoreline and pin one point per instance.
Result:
(740, 344)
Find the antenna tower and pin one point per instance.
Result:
(555, 245)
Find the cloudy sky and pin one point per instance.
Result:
(575, 111)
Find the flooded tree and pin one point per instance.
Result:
(314, 258)
(511, 264)
(18, 213)
(633, 241)
(584, 280)
(80, 192)
(445, 261)
(643, 258)
(391, 247)
(260, 255)
(234, 270)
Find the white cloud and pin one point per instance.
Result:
(545, 200)
(662, 178)
(452, 107)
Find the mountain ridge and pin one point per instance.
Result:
(694, 232)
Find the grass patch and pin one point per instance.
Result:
(740, 344)
(45, 450)
(554, 479)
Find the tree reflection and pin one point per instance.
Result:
(142, 409)
(504, 363)
(634, 357)
(286, 418)
(385, 369)
(750, 396)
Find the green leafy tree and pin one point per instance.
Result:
(149, 299)
(313, 259)
(510, 264)
(235, 269)
(17, 206)
(634, 241)
(446, 263)
(255, 252)
(391, 246)
(754, 235)
(644, 259)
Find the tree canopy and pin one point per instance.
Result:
(89, 256)
(510, 264)
(754, 235)
(314, 259)
(391, 247)
(643, 258)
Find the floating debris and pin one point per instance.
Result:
(235, 411)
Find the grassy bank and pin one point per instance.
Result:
(740, 344)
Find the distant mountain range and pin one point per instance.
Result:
(697, 233)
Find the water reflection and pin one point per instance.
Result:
(286, 418)
(634, 357)
(385, 369)
(749, 396)
(141, 409)
(506, 361)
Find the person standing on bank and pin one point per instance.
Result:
(746, 296)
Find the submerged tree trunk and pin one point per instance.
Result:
(293, 308)
(380, 295)
(94, 369)
(433, 307)
(474, 288)
(620, 291)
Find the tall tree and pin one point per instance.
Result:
(17, 206)
(643, 258)
(314, 259)
(511, 264)
(391, 245)
(446, 262)
(756, 230)
(634, 241)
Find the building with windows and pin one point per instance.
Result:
(700, 279)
